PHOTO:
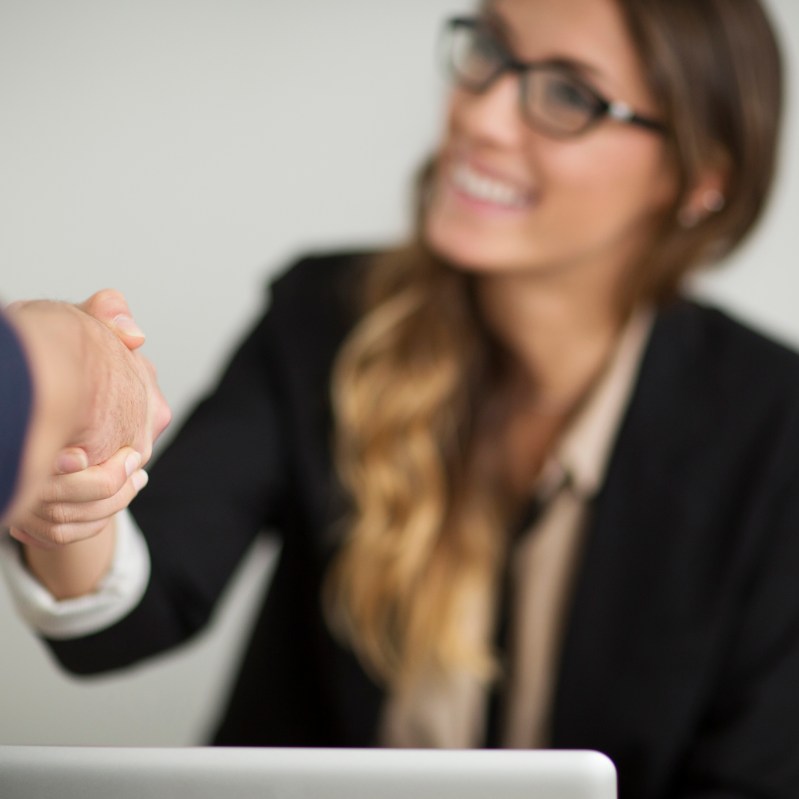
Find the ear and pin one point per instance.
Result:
(708, 195)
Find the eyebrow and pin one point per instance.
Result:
(498, 24)
(580, 69)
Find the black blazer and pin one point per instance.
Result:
(681, 658)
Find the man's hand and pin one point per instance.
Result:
(94, 393)
(127, 408)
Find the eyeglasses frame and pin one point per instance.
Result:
(614, 109)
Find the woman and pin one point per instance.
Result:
(551, 503)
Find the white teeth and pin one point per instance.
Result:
(487, 189)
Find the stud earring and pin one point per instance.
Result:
(713, 201)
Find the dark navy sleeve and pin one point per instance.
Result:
(16, 397)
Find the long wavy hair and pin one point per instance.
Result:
(420, 388)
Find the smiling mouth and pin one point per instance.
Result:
(479, 186)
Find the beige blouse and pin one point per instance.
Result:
(452, 713)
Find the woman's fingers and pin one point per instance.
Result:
(111, 308)
(93, 483)
(72, 459)
(78, 505)
(69, 514)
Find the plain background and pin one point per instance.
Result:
(182, 151)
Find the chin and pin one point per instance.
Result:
(470, 253)
(474, 244)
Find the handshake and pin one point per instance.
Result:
(93, 415)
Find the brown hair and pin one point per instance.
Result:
(715, 69)
(418, 387)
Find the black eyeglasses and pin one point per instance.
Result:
(553, 99)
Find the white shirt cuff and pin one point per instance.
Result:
(116, 595)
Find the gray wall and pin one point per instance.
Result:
(181, 150)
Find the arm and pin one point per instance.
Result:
(69, 545)
(251, 457)
(92, 394)
(89, 390)
(214, 487)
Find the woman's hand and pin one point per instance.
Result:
(78, 502)
(69, 532)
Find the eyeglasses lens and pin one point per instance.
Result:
(475, 57)
(555, 101)
(552, 100)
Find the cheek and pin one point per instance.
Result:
(450, 119)
(626, 178)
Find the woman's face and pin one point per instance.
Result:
(508, 197)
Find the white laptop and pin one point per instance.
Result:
(36, 772)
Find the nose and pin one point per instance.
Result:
(493, 114)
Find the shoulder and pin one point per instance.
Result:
(319, 277)
(312, 306)
(320, 289)
(713, 396)
(728, 356)
(319, 294)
